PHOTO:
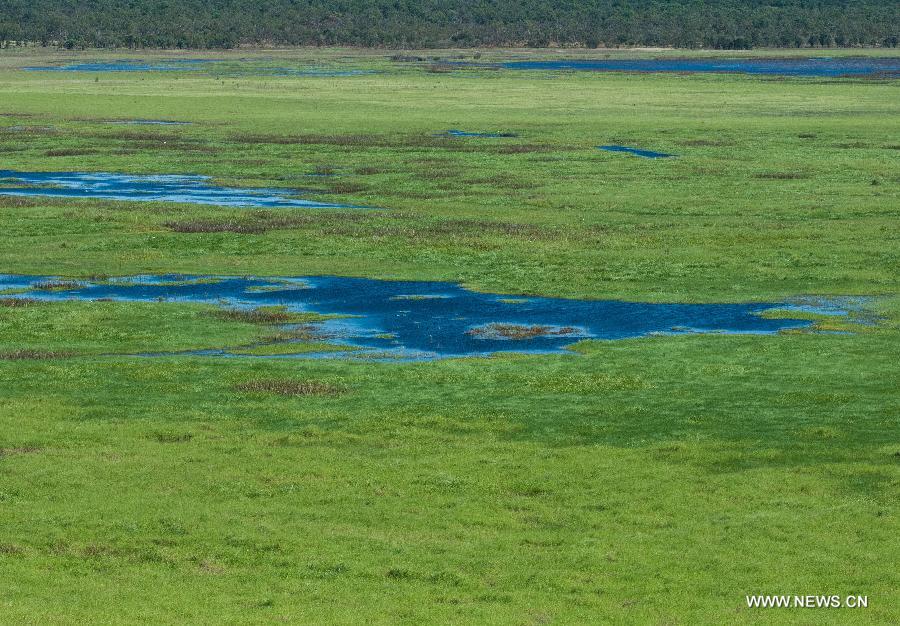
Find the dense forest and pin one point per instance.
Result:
(450, 23)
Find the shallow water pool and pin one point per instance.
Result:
(888, 67)
(150, 188)
(125, 65)
(426, 320)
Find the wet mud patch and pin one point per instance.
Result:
(408, 320)
(150, 188)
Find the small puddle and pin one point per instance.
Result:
(453, 132)
(151, 188)
(648, 154)
(887, 67)
(380, 319)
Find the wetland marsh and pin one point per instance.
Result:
(589, 458)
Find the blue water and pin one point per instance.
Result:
(221, 67)
(453, 132)
(883, 66)
(649, 154)
(147, 122)
(424, 320)
(152, 188)
(173, 65)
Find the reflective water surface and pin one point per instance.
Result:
(427, 320)
(156, 187)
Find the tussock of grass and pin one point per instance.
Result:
(17, 450)
(291, 387)
(586, 383)
(18, 202)
(64, 152)
(520, 331)
(19, 303)
(347, 187)
(29, 354)
(56, 285)
(217, 226)
(171, 437)
(260, 223)
(143, 135)
(782, 175)
(259, 315)
(389, 141)
(701, 143)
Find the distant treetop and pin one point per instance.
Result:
(726, 24)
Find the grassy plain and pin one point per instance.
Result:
(643, 481)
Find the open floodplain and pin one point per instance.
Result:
(338, 336)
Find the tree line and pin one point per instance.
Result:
(725, 24)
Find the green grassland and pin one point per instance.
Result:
(656, 480)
